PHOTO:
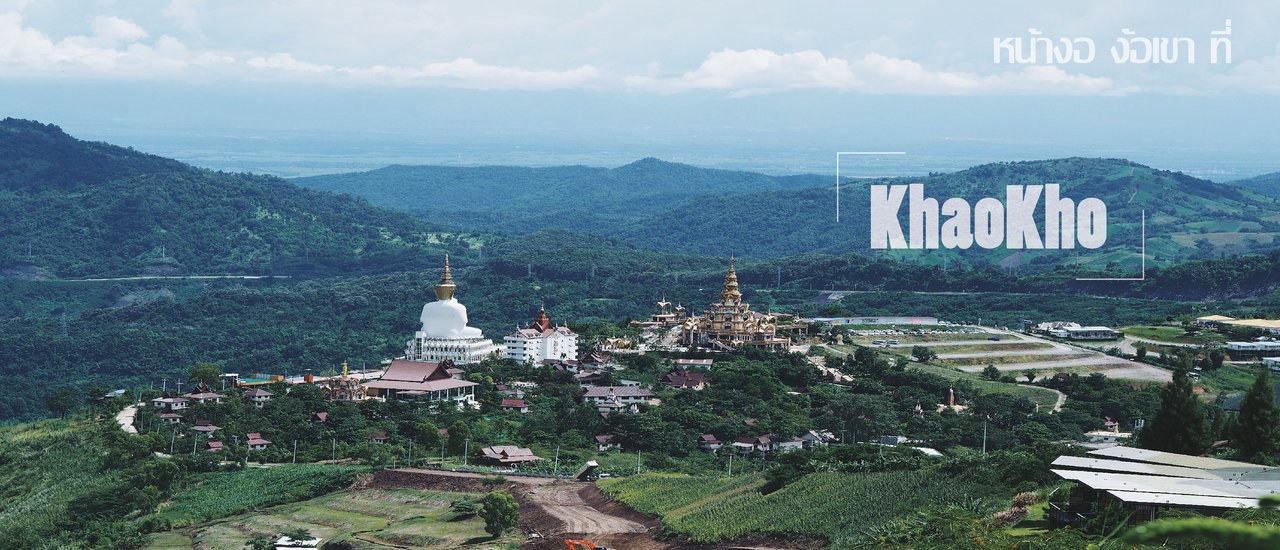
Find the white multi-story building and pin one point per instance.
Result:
(542, 341)
(445, 334)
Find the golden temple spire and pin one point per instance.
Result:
(344, 370)
(730, 293)
(445, 288)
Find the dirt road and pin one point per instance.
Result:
(565, 501)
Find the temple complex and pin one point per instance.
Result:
(445, 334)
(730, 323)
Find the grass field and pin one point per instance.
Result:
(1173, 335)
(367, 518)
(1009, 359)
(222, 494)
(983, 348)
(1044, 398)
(838, 507)
(1228, 379)
(928, 338)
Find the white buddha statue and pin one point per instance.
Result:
(446, 317)
(445, 334)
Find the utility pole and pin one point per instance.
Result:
(779, 282)
(172, 439)
(984, 438)
(164, 385)
(637, 461)
(410, 453)
(335, 449)
(730, 463)
(557, 466)
(466, 448)
(295, 451)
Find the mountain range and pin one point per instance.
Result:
(681, 208)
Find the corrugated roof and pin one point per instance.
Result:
(1184, 500)
(1110, 481)
(1134, 467)
(1172, 459)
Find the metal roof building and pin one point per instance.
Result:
(1147, 482)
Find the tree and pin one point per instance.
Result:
(1030, 374)
(1179, 426)
(500, 512)
(61, 402)
(991, 373)
(1140, 352)
(1256, 430)
(923, 354)
(459, 433)
(208, 373)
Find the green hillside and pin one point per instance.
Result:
(1265, 184)
(518, 199)
(685, 209)
(70, 208)
(1186, 217)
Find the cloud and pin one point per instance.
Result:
(1254, 75)
(462, 72)
(186, 14)
(754, 71)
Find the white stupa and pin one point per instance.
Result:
(445, 334)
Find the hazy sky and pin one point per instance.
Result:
(736, 79)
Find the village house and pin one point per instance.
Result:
(683, 378)
(708, 442)
(170, 404)
(258, 396)
(609, 399)
(205, 427)
(507, 455)
(202, 394)
(170, 418)
(320, 417)
(605, 443)
(214, 446)
(517, 405)
(693, 363)
(379, 437)
(255, 442)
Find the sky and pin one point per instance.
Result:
(299, 87)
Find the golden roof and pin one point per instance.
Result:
(445, 288)
(730, 293)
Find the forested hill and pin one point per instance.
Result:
(71, 208)
(519, 199)
(1266, 184)
(1186, 217)
(685, 209)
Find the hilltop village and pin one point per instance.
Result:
(771, 398)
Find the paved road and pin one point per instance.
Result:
(125, 419)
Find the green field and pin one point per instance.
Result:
(982, 348)
(1044, 398)
(1009, 359)
(927, 338)
(1173, 335)
(367, 518)
(1228, 379)
(223, 494)
(838, 507)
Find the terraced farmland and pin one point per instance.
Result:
(366, 518)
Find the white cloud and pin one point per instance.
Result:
(187, 14)
(762, 71)
(462, 72)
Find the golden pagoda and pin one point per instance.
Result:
(730, 322)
